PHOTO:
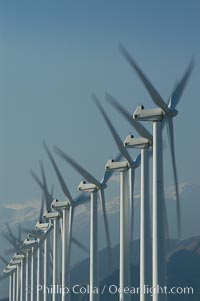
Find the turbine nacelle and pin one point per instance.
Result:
(42, 226)
(132, 142)
(51, 215)
(18, 256)
(56, 204)
(148, 114)
(84, 186)
(14, 262)
(29, 243)
(157, 114)
(111, 165)
(9, 269)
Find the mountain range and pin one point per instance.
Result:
(26, 213)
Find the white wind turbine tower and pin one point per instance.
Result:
(145, 230)
(67, 220)
(92, 186)
(143, 143)
(166, 112)
(125, 205)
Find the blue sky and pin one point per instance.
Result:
(54, 54)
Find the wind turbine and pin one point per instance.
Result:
(145, 229)
(103, 184)
(166, 112)
(67, 221)
(94, 272)
(92, 186)
(143, 143)
(132, 164)
(125, 207)
(157, 115)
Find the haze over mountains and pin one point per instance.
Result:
(27, 213)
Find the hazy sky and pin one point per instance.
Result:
(54, 54)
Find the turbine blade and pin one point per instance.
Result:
(115, 135)
(157, 99)
(142, 131)
(180, 86)
(35, 177)
(83, 172)
(108, 174)
(42, 209)
(60, 178)
(72, 216)
(19, 236)
(26, 230)
(170, 131)
(81, 199)
(31, 231)
(80, 245)
(9, 239)
(47, 196)
(102, 197)
(138, 161)
(166, 222)
(51, 254)
(4, 260)
(10, 251)
(13, 238)
(42, 239)
(52, 190)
